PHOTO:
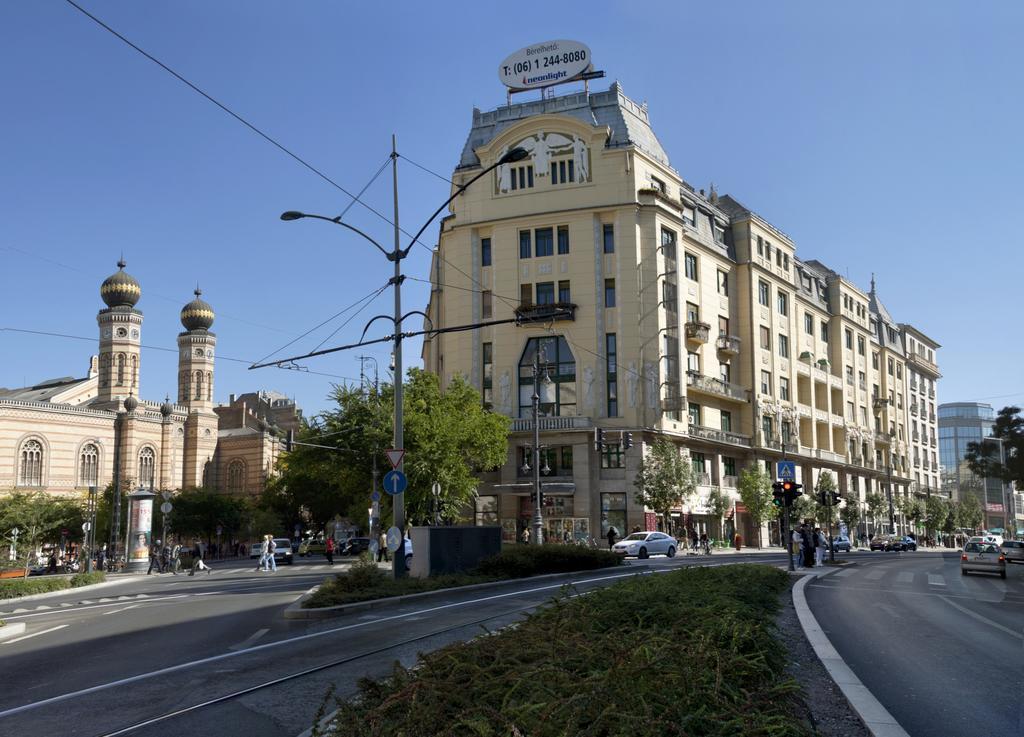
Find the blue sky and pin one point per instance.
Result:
(880, 136)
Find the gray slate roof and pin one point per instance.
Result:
(43, 392)
(627, 120)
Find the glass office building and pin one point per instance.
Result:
(961, 423)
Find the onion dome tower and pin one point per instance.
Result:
(120, 327)
(196, 348)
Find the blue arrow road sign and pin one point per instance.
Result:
(375, 496)
(395, 482)
(786, 470)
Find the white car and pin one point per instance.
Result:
(645, 544)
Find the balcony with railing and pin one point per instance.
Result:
(702, 478)
(884, 438)
(716, 387)
(529, 313)
(728, 344)
(697, 332)
(719, 436)
(729, 482)
(918, 360)
(913, 408)
(673, 404)
(525, 424)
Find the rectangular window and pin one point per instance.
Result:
(486, 305)
(613, 513)
(563, 240)
(611, 373)
(727, 422)
(808, 323)
(723, 325)
(849, 411)
(697, 461)
(690, 264)
(725, 372)
(860, 345)
(668, 244)
(760, 246)
(824, 331)
(485, 251)
(692, 312)
(899, 371)
(766, 338)
(891, 366)
(608, 236)
(668, 296)
(848, 339)
(544, 243)
(609, 292)
(874, 360)
(783, 300)
(784, 388)
(763, 294)
(693, 362)
(728, 465)
(693, 411)
(766, 382)
(563, 292)
(525, 294)
(562, 171)
(783, 345)
(488, 373)
(525, 248)
(723, 283)
(786, 431)
(522, 177)
(611, 457)
(546, 293)
(767, 428)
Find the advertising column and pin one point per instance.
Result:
(140, 526)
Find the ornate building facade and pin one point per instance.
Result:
(661, 311)
(65, 435)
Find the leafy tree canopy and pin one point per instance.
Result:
(984, 458)
(665, 478)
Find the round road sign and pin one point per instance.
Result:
(166, 507)
(374, 548)
(86, 526)
(394, 539)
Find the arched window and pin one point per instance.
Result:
(236, 476)
(135, 371)
(30, 464)
(557, 364)
(120, 369)
(199, 385)
(209, 386)
(147, 461)
(88, 465)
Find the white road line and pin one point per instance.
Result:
(65, 610)
(875, 573)
(905, 577)
(35, 634)
(846, 572)
(247, 642)
(122, 609)
(936, 579)
(980, 618)
(300, 638)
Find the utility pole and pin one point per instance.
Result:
(115, 526)
(398, 500)
(538, 515)
(892, 516)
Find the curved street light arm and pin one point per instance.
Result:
(418, 312)
(293, 215)
(373, 320)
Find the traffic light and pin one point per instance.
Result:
(598, 439)
(835, 498)
(627, 440)
(791, 490)
(778, 497)
(821, 498)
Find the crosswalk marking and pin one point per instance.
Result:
(905, 577)
(875, 573)
(846, 572)
(936, 579)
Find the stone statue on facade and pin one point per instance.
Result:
(632, 377)
(579, 157)
(588, 386)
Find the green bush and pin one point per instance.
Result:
(533, 560)
(12, 588)
(692, 652)
(86, 579)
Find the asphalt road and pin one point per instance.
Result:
(944, 653)
(121, 659)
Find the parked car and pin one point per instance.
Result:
(982, 557)
(1013, 551)
(355, 546)
(645, 544)
(885, 542)
(908, 543)
(841, 543)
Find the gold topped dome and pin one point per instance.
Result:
(197, 314)
(120, 289)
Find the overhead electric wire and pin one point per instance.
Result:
(403, 157)
(352, 316)
(172, 350)
(464, 289)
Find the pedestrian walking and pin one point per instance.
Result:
(154, 558)
(694, 541)
(796, 543)
(382, 548)
(198, 564)
(329, 551)
(176, 558)
(612, 534)
(271, 547)
(101, 558)
(261, 565)
(807, 546)
(525, 537)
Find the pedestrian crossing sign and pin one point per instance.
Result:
(786, 470)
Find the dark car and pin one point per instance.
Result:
(886, 543)
(355, 546)
(908, 543)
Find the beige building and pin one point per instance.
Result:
(65, 435)
(660, 311)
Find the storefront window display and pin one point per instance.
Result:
(613, 513)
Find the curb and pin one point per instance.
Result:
(877, 719)
(59, 592)
(295, 610)
(11, 630)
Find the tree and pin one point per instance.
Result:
(755, 490)
(827, 513)
(664, 480)
(936, 511)
(718, 505)
(970, 514)
(912, 509)
(877, 506)
(983, 458)
(199, 512)
(849, 513)
(952, 522)
(40, 518)
(448, 436)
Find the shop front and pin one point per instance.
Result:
(560, 523)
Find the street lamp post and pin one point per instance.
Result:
(396, 255)
(888, 490)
